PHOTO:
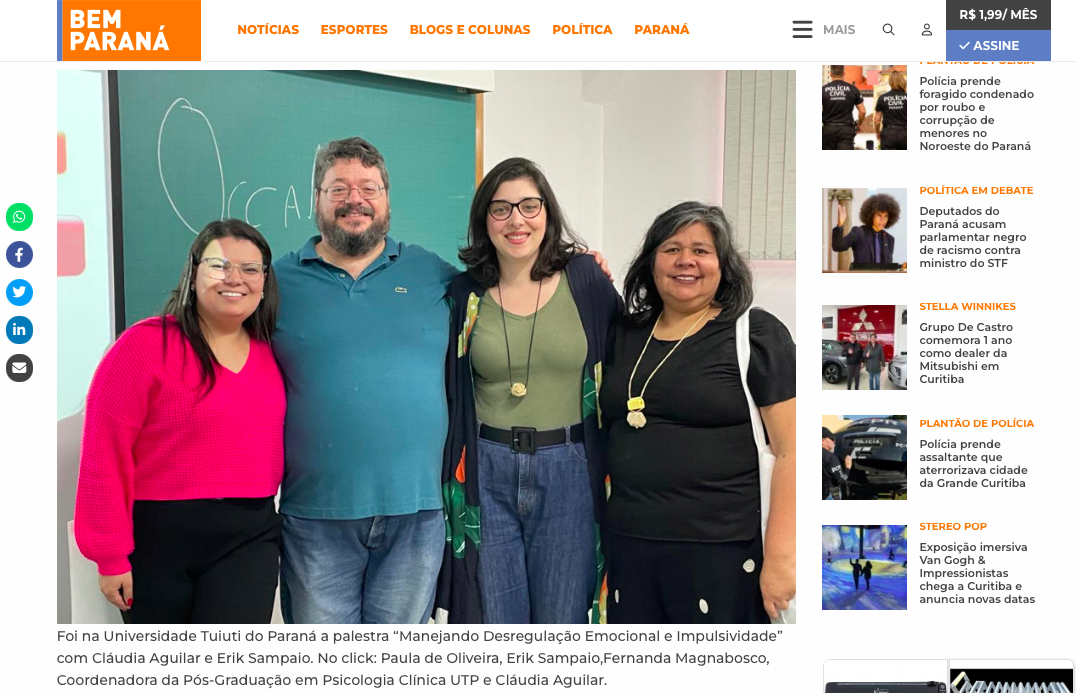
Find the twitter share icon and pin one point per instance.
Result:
(19, 292)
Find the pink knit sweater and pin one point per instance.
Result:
(150, 433)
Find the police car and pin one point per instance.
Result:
(879, 450)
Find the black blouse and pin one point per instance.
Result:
(692, 472)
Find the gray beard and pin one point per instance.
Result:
(351, 244)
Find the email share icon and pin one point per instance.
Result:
(20, 368)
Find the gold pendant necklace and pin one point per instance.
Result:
(635, 417)
(519, 389)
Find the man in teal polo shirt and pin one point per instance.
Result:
(361, 340)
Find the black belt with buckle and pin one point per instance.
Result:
(526, 439)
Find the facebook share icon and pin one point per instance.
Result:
(19, 254)
(20, 329)
(19, 292)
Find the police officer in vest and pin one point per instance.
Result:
(839, 98)
(891, 114)
(835, 472)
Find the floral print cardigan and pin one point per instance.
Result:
(598, 305)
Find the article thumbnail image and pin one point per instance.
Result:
(865, 457)
(865, 230)
(865, 567)
(865, 339)
(1049, 680)
(864, 107)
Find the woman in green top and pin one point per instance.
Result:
(531, 314)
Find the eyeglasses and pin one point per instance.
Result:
(339, 193)
(219, 268)
(530, 207)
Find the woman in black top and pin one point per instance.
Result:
(683, 517)
(892, 115)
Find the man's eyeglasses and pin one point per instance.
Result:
(339, 193)
(219, 268)
(530, 207)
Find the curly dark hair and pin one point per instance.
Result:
(734, 293)
(558, 246)
(880, 202)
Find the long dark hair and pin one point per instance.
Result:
(183, 305)
(734, 293)
(558, 245)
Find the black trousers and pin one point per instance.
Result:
(893, 138)
(838, 135)
(854, 376)
(204, 561)
(652, 581)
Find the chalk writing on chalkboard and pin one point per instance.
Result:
(291, 200)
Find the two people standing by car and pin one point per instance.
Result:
(871, 357)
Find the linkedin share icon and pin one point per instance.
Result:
(19, 329)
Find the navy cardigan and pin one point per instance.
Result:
(598, 305)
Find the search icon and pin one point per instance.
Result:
(888, 29)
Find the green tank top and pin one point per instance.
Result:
(555, 388)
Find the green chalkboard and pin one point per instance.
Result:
(194, 146)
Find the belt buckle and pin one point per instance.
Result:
(523, 439)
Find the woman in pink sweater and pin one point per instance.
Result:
(183, 445)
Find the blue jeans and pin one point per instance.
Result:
(379, 569)
(874, 380)
(537, 559)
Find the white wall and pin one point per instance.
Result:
(662, 146)
(775, 290)
(901, 332)
(542, 115)
(476, 80)
(832, 313)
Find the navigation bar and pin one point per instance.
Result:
(678, 30)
